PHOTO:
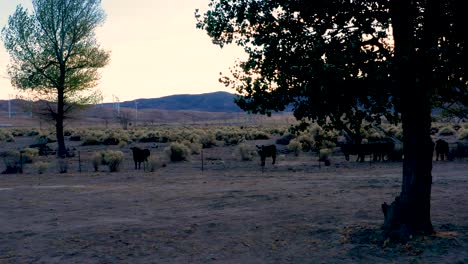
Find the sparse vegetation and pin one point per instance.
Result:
(246, 152)
(41, 166)
(178, 152)
(447, 131)
(113, 159)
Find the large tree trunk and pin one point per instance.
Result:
(62, 150)
(410, 212)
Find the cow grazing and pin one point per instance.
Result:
(441, 149)
(139, 156)
(378, 150)
(267, 151)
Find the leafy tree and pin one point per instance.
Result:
(54, 54)
(338, 62)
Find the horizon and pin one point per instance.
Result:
(164, 28)
(137, 99)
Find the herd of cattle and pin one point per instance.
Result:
(378, 151)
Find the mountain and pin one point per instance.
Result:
(208, 102)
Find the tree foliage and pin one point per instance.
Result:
(55, 55)
(331, 60)
(339, 62)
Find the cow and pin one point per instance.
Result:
(352, 149)
(139, 156)
(441, 149)
(266, 151)
(378, 150)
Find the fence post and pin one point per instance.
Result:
(21, 162)
(79, 161)
(202, 165)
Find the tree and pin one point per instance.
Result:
(338, 62)
(54, 54)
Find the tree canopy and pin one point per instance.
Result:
(332, 59)
(55, 55)
(339, 62)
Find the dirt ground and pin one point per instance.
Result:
(293, 212)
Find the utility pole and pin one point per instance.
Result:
(136, 111)
(10, 96)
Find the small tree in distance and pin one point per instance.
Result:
(55, 55)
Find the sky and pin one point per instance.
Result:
(156, 50)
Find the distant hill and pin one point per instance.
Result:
(208, 102)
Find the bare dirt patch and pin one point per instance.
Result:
(294, 212)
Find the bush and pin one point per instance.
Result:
(246, 152)
(97, 159)
(285, 140)
(177, 152)
(195, 148)
(447, 131)
(463, 134)
(75, 138)
(28, 154)
(12, 162)
(32, 133)
(113, 159)
(91, 141)
(208, 140)
(41, 167)
(154, 164)
(6, 136)
(325, 153)
(295, 147)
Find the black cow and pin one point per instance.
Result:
(441, 149)
(353, 149)
(139, 156)
(378, 150)
(267, 151)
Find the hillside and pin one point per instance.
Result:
(208, 102)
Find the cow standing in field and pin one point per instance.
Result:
(378, 150)
(441, 149)
(267, 151)
(139, 156)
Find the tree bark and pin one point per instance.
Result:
(410, 212)
(62, 150)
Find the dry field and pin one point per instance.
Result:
(293, 212)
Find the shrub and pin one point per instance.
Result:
(97, 159)
(113, 159)
(32, 133)
(28, 154)
(75, 138)
(246, 152)
(177, 152)
(295, 146)
(195, 148)
(306, 141)
(208, 140)
(285, 140)
(154, 164)
(41, 166)
(256, 135)
(6, 136)
(447, 131)
(325, 153)
(91, 141)
(12, 162)
(463, 134)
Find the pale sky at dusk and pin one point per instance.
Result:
(155, 50)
